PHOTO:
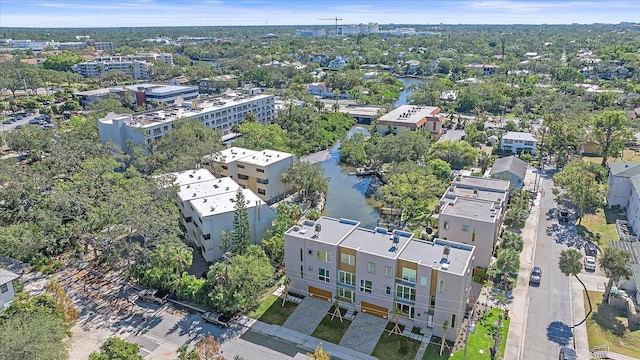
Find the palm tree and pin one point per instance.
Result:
(511, 240)
(508, 262)
(570, 263)
(484, 161)
(615, 262)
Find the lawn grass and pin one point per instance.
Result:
(331, 330)
(482, 338)
(395, 347)
(433, 350)
(272, 312)
(608, 326)
(601, 226)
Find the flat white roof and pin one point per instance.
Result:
(265, 157)
(409, 114)
(231, 154)
(223, 203)
(474, 209)
(191, 176)
(514, 135)
(207, 188)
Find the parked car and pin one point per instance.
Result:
(7, 122)
(590, 249)
(567, 353)
(220, 320)
(149, 295)
(564, 216)
(536, 275)
(18, 127)
(590, 263)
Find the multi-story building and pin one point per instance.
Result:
(477, 188)
(144, 93)
(411, 117)
(134, 68)
(518, 143)
(370, 28)
(376, 271)
(311, 33)
(7, 290)
(220, 113)
(624, 191)
(159, 57)
(207, 207)
(259, 171)
(473, 222)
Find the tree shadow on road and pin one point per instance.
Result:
(559, 332)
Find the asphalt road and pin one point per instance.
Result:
(549, 318)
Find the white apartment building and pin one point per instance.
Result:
(207, 208)
(159, 57)
(411, 117)
(163, 93)
(624, 191)
(7, 291)
(311, 33)
(259, 171)
(134, 68)
(220, 113)
(518, 143)
(375, 271)
(354, 29)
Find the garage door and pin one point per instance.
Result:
(374, 309)
(322, 294)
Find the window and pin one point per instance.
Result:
(348, 259)
(432, 302)
(262, 181)
(207, 236)
(446, 225)
(301, 251)
(166, 127)
(465, 227)
(240, 166)
(225, 167)
(323, 275)
(508, 141)
(4, 288)
(441, 287)
(262, 192)
(406, 309)
(243, 177)
(346, 278)
(188, 220)
(388, 271)
(301, 271)
(423, 281)
(365, 286)
(324, 256)
(371, 267)
(473, 235)
(260, 170)
(347, 294)
(453, 320)
(406, 292)
(408, 275)
(387, 290)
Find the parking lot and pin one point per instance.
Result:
(18, 121)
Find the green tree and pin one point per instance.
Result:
(459, 154)
(582, 185)
(117, 349)
(611, 132)
(570, 264)
(616, 263)
(63, 61)
(508, 262)
(33, 335)
(511, 240)
(241, 233)
(440, 169)
(307, 178)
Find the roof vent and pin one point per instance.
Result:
(194, 194)
(248, 201)
(227, 188)
(212, 209)
(204, 200)
(444, 266)
(395, 239)
(318, 227)
(188, 186)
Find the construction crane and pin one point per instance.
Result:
(336, 19)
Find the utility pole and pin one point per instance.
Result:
(336, 19)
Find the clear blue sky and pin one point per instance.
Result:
(107, 13)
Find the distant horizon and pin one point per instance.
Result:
(69, 14)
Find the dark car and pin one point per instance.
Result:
(564, 216)
(567, 353)
(536, 275)
(220, 320)
(590, 249)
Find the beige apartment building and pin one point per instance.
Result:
(259, 171)
(375, 271)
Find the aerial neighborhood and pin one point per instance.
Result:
(343, 189)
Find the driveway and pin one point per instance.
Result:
(307, 316)
(363, 333)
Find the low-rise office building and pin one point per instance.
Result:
(411, 117)
(220, 113)
(207, 208)
(376, 271)
(259, 171)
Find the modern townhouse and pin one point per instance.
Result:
(477, 188)
(207, 208)
(377, 271)
(259, 171)
(412, 117)
(624, 191)
(473, 222)
(7, 291)
(518, 143)
(220, 113)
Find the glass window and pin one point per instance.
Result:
(453, 320)
(301, 259)
(323, 275)
(446, 225)
(406, 309)
(465, 227)
(347, 294)
(406, 292)
(261, 192)
(243, 177)
(388, 271)
(387, 290)
(371, 267)
(441, 287)
(423, 281)
(301, 271)
(4, 288)
(324, 256)
(346, 278)
(348, 259)
(408, 275)
(365, 286)
(260, 170)
(262, 181)
(240, 166)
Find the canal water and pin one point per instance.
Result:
(347, 197)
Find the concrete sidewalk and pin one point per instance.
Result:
(304, 341)
(519, 305)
